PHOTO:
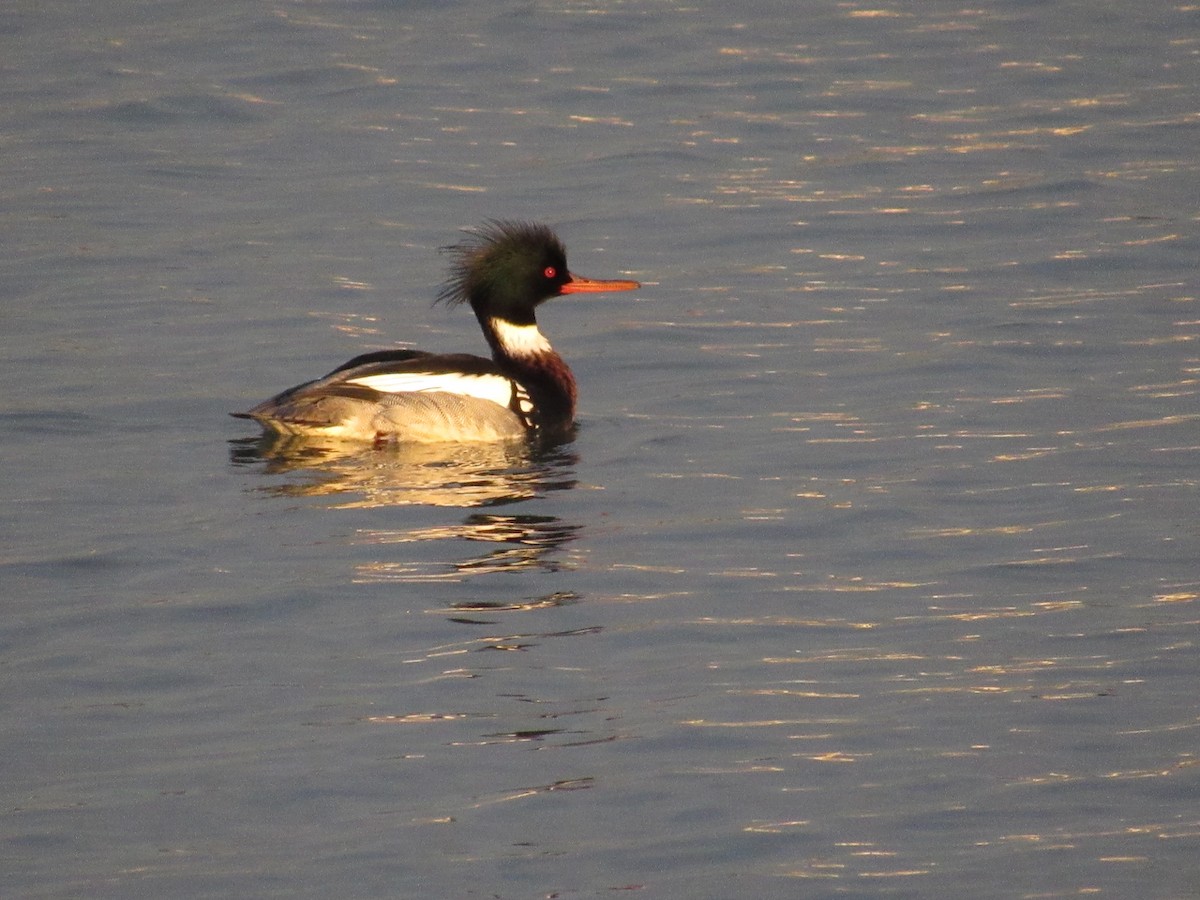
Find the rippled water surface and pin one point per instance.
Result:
(871, 570)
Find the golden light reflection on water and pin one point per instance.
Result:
(1019, 430)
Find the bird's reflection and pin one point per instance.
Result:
(467, 611)
(515, 543)
(355, 475)
(466, 476)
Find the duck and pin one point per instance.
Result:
(504, 270)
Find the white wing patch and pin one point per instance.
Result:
(496, 388)
(524, 403)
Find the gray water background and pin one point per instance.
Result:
(872, 570)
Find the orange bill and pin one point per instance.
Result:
(578, 285)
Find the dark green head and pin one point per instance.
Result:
(505, 269)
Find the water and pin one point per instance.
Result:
(870, 571)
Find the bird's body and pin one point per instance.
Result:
(525, 389)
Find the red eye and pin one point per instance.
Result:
(550, 272)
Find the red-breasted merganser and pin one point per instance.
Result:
(504, 270)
